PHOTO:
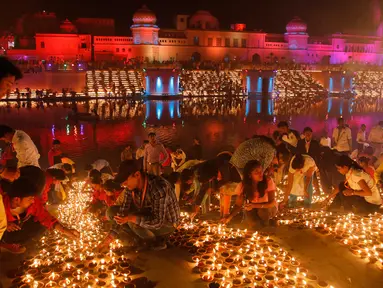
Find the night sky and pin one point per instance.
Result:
(322, 16)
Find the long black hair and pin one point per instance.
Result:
(248, 182)
(345, 161)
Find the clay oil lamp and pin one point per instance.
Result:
(32, 285)
(247, 258)
(92, 264)
(322, 284)
(214, 285)
(207, 277)
(245, 280)
(102, 269)
(100, 283)
(237, 282)
(311, 277)
(199, 263)
(238, 272)
(31, 273)
(102, 274)
(51, 284)
(54, 276)
(261, 271)
(205, 257)
(294, 262)
(258, 278)
(218, 275)
(46, 271)
(124, 265)
(243, 264)
(203, 269)
(29, 278)
(68, 267)
(269, 277)
(262, 261)
(225, 254)
(64, 283)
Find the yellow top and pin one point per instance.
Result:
(378, 173)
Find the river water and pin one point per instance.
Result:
(220, 124)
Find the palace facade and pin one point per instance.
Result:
(196, 37)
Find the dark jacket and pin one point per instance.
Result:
(314, 149)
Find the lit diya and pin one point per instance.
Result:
(54, 276)
(322, 284)
(92, 264)
(207, 277)
(51, 284)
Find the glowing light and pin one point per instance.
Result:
(159, 108)
(259, 106)
(171, 109)
(329, 104)
(147, 113)
(171, 85)
(147, 81)
(159, 87)
(271, 84)
(259, 85)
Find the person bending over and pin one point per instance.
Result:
(26, 217)
(52, 191)
(364, 163)
(301, 171)
(259, 148)
(105, 196)
(256, 195)
(26, 151)
(148, 209)
(208, 177)
(359, 191)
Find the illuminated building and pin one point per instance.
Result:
(197, 37)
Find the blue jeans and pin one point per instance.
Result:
(307, 200)
(135, 230)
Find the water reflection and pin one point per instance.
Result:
(219, 122)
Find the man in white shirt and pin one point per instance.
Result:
(375, 138)
(361, 137)
(152, 162)
(26, 151)
(342, 138)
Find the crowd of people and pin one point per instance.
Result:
(144, 196)
(211, 82)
